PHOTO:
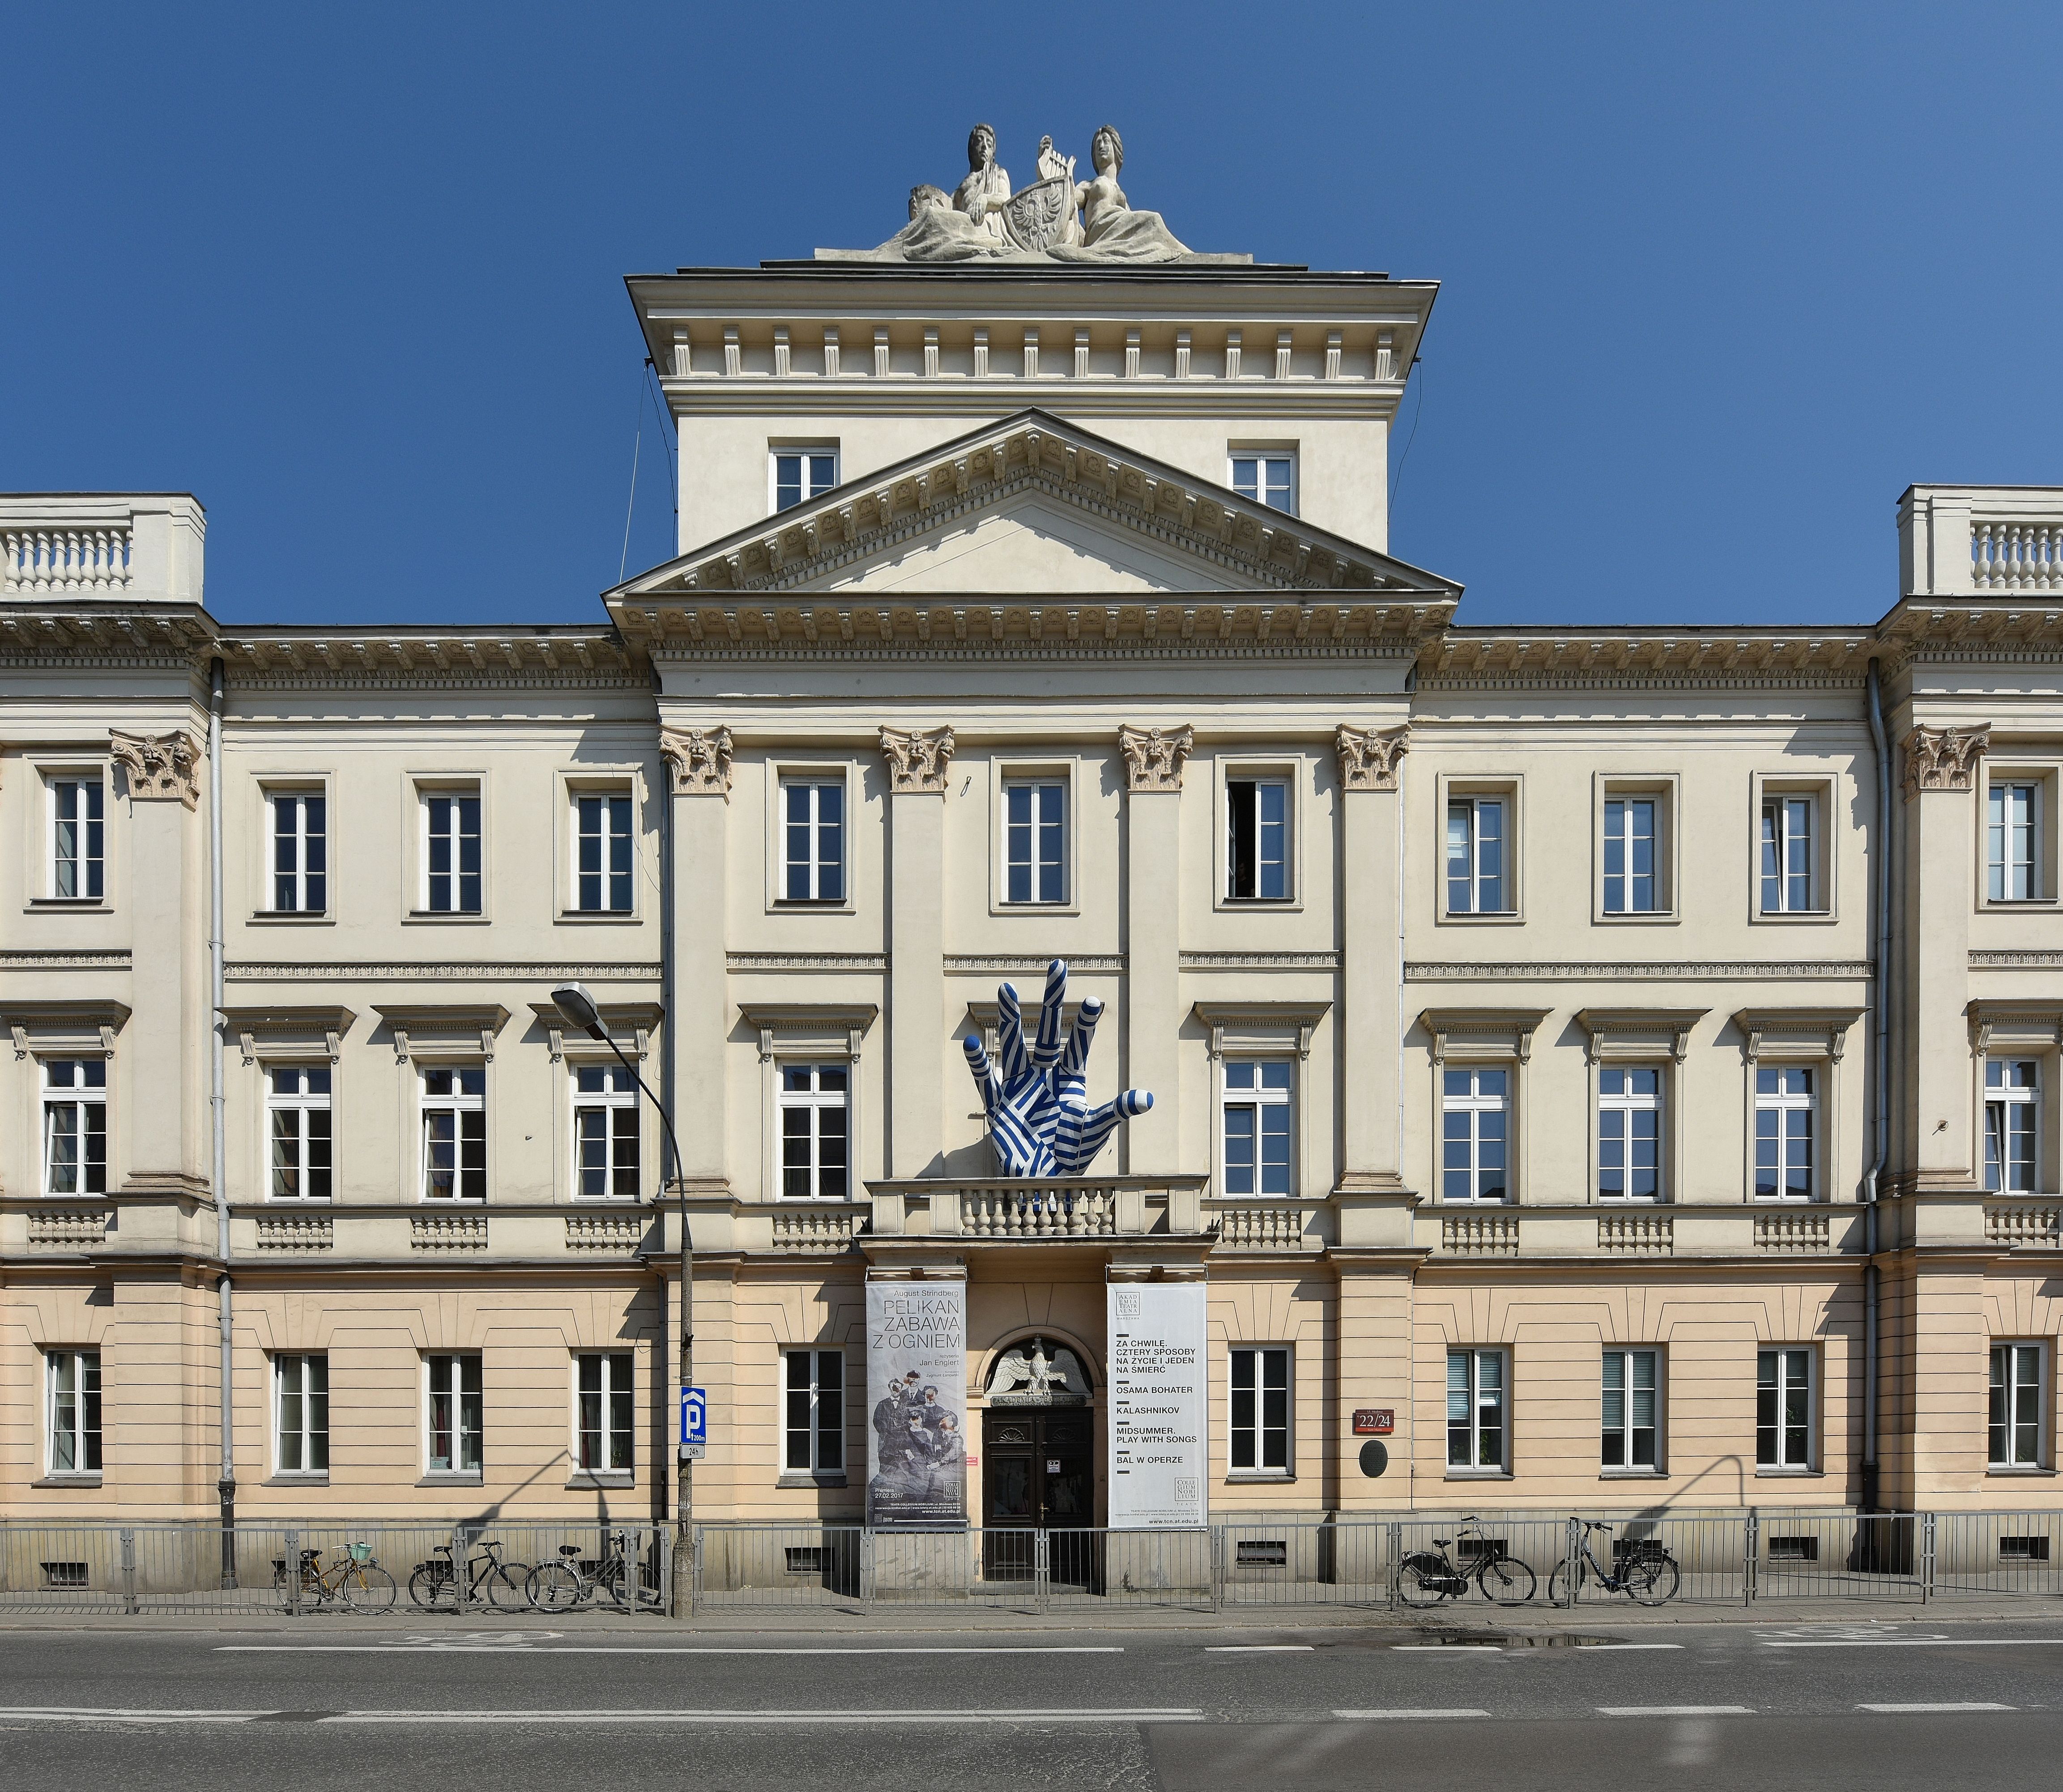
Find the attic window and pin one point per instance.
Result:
(802, 473)
(1269, 478)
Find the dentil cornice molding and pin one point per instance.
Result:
(1154, 757)
(1370, 758)
(698, 760)
(159, 766)
(918, 761)
(1943, 758)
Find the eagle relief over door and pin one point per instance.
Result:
(1038, 1464)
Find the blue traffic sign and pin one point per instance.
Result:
(695, 1416)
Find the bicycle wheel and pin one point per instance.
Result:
(1422, 1579)
(553, 1587)
(368, 1589)
(1507, 1582)
(1655, 1583)
(431, 1589)
(1557, 1581)
(508, 1587)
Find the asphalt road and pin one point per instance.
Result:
(1873, 1707)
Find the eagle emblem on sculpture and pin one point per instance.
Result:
(1036, 1097)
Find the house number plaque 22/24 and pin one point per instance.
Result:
(1374, 1421)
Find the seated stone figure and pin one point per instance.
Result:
(1111, 230)
(961, 226)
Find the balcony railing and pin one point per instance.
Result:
(64, 545)
(1004, 1208)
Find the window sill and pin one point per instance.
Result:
(427, 917)
(457, 1478)
(1633, 1474)
(297, 1480)
(813, 1479)
(1488, 917)
(1277, 905)
(1243, 1477)
(788, 905)
(2018, 1472)
(1661, 917)
(67, 1480)
(1806, 917)
(69, 905)
(273, 917)
(582, 1478)
(1038, 910)
(1454, 1473)
(2011, 902)
(1763, 1474)
(595, 917)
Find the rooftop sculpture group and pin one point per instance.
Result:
(1055, 219)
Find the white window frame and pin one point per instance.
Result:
(74, 1095)
(1269, 1370)
(788, 777)
(1046, 788)
(428, 793)
(304, 1102)
(298, 1367)
(1791, 1110)
(1260, 1100)
(822, 1431)
(1622, 1366)
(1776, 790)
(1261, 776)
(2009, 877)
(1782, 1386)
(302, 837)
(1268, 455)
(1627, 1106)
(619, 1095)
(1782, 840)
(457, 1105)
(1472, 801)
(2009, 1398)
(614, 1365)
(82, 1434)
(609, 795)
(1471, 1104)
(806, 486)
(90, 867)
(1476, 1356)
(446, 1375)
(815, 1101)
(1665, 794)
(2006, 1097)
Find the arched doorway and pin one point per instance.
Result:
(1037, 1463)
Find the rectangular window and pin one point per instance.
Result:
(1629, 1133)
(607, 1411)
(1632, 886)
(456, 1409)
(451, 852)
(77, 841)
(1476, 1419)
(1787, 859)
(814, 1418)
(1784, 1407)
(605, 1131)
(1034, 840)
(1257, 1112)
(1475, 1114)
(2013, 842)
(1259, 1429)
(1632, 1400)
(1268, 479)
(1257, 840)
(454, 1132)
(74, 1125)
(2017, 1406)
(802, 473)
(601, 853)
(813, 833)
(2013, 1111)
(1784, 1107)
(813, 1131)
(72, 1443)
(1476, 883)
(297, 1105)
(300, 852)
(300, 1409)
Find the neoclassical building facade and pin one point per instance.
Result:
(1599, 1069)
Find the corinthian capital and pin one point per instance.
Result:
(698, 760)
(917, 761)
(1371, 757)
(159, 766)
(1943, 758)
(1153, 757)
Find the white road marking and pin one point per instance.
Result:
(1453, 1649)
(1925, 1642)
(571, 1649)
(1970, 1706)
(1357, 1717)
(86, 1714)
(1593, 1648)
(1154, 1715)
(1258, 1649)
(1675, 1710)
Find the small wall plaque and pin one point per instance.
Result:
(1374, 1421)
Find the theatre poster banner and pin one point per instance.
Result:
(1158, 1435)
(916, 1377)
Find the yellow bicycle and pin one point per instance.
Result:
(353, 1581)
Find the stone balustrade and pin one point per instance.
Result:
(1480, 1234)
(65, 545)
(1793, 1231)
(448, 1231)
(59, 560)
(68, 1228)
(1275, 1226)
(1641, 1234)
(1004, 1208)
(2025, 1225)
(2017, 553)
(813, 1232)
(296, 1232)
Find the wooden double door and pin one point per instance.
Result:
(1038, 1472)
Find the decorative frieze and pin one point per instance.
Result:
(1370, 758)
(590, 1233)
(1154, 757)
(64, 1228)
(448, 1231)
(1637, 1234)
(918, 761)
(1636, 970)
(1943, 758)
(697, 760)
(296, 1232)
(159, 766)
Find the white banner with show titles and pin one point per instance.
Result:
(1159, 1403)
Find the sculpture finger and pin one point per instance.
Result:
(1047, 1050)
(1010, 1034)
(983, 1071)
(1092, 1130)
(1080, 1037)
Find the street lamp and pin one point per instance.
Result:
(578, 1008)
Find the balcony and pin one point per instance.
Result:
(1020, 1211)
(1971, 540)
(60, 547)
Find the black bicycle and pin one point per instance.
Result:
(1425, 1578)
(434, 1586)
(569, 1582)
(1644, 1570)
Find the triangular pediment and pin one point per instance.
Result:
(1032, 506)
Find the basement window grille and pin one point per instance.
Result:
(1794, 1549)
(1263, 1554)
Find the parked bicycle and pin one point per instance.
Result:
(569, 1582)
(434, 1585)
(354, 1581)
(1644, 1571)
(1425, 1578)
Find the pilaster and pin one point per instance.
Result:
(698, 775)
(917, 764)
(1153, 760)
(1370, 766)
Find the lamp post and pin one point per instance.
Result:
(578, 1008)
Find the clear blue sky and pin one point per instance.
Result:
(1720, 280)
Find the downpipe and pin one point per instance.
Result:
(1873, 1476)
(226, 1481)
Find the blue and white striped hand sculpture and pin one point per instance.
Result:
(1038, 1116)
